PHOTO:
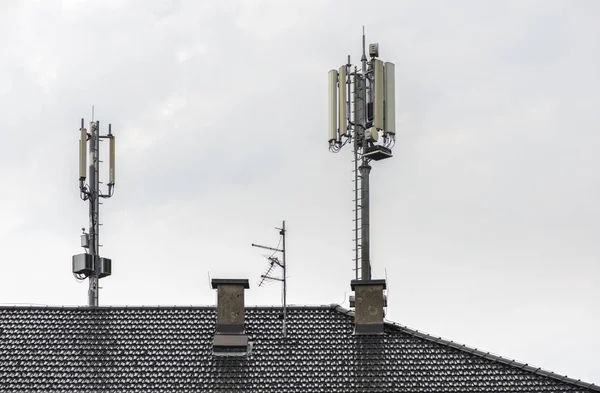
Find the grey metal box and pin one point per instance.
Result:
(83, 264)
(105, 267)
(85, 240)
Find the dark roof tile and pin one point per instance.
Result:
(167, 349)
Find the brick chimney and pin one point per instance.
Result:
(369, 302)
(230, 337)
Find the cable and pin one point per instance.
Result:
(278, 244)
(78, 278)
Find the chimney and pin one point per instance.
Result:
(230, 338)
(369, 302)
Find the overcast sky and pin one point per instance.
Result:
(486, 221)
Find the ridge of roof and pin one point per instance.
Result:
(480, 353)
(156, 307)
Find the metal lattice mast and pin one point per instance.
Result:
(373, 116)
(90, 264)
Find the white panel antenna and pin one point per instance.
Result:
(111, 159)
(82, 154)
(390, 99)
(343, 122)
(333, 115)
(379, 94)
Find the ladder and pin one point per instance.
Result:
(356, 150)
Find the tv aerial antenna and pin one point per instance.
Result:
(90, 264)
(274, 264)
(367, 93)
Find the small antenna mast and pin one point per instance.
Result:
(273, 262)
(90, 264)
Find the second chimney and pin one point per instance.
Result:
(230, 337)
(369, 302)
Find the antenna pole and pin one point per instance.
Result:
(365, 257)
(282, 232)
(365, 170)
(93, 292)
(90, 264)
(372, 104)
(274, 261)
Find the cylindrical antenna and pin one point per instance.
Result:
(333, 80)
(82, 153)
(379, 94)
(111, 169)
(390, 99)
(342, 99)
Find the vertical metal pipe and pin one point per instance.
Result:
(360, 119)
(356, 205)
(94, 205)
(97, 199)
(365, 258)
(284, 284)
(365, 169)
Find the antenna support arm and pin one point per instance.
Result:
(271, 278)
(266, 248)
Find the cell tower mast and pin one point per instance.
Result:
(369, 94)
(90, 264)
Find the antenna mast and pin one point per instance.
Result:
(369, 94)
(274, 261)
(90, 264)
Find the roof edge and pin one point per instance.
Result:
(151, 307)
(480, 353)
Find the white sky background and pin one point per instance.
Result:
(486, 220)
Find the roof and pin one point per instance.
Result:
(168, 349)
